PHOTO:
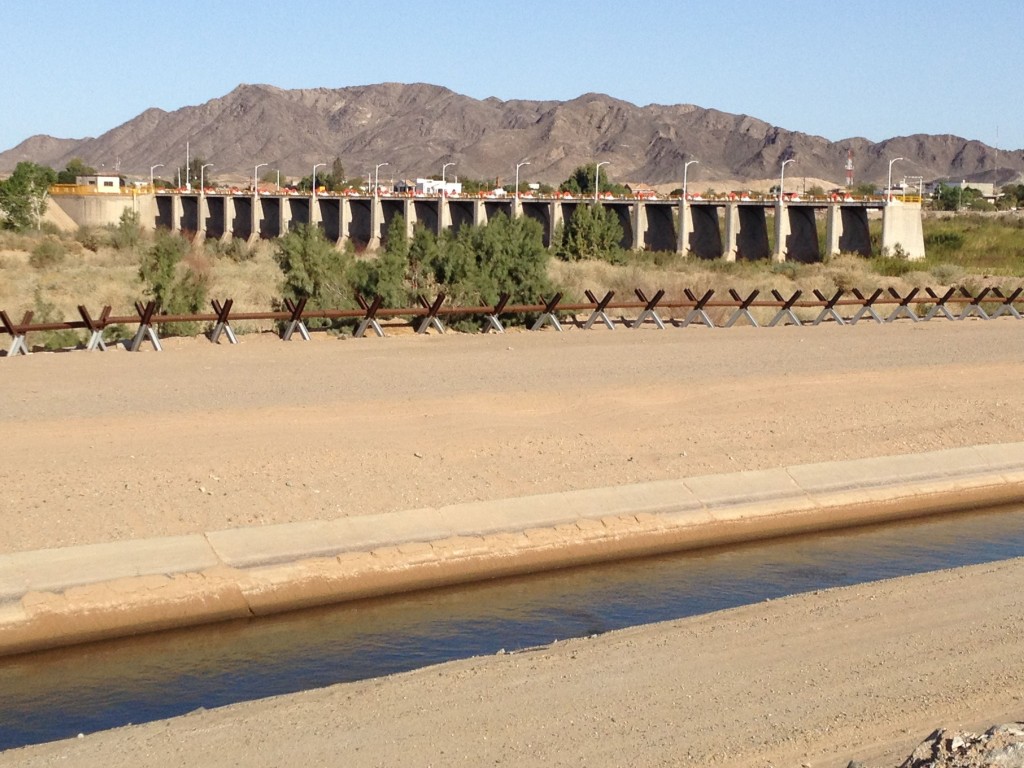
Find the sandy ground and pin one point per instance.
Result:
(109, 446)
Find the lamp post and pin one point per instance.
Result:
(255, 180)
(597, 178)
(686, 165)
(518, 166)
(318, 165)
(202, 177)
(782, 177)
(376, 171)
(151, 169)
(279, 181)
(888, 183)
(443, 169)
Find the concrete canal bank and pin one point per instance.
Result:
(58, 597)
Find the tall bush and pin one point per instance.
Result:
(177, 288)
(385, 276)
(313, 269)
(593, 232)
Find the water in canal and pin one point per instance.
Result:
(59, 694)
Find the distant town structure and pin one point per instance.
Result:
(429, 187)
(101, 183)
(986, 188)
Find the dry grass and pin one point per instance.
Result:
(110, 276)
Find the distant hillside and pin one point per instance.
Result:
(416, 128)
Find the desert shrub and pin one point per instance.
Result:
(945, 239)
(177, 288)
(48, 253)
(661, 259)
(593, 232)
(385, 275)
(92, 238)
(892, 266)
(128, 232)
(788, 269)
(503, 256)
(313, 269)
(947, 274)
(46, 312)
(234, 249)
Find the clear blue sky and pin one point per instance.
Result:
(836, 69)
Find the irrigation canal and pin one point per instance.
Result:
(58, 694)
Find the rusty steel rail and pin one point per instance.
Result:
(841, 307)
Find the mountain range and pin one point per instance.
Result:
(416, 128)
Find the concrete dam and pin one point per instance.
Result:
(709, 229)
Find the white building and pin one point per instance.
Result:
(102, 183)
(436, 187)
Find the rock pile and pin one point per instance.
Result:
(1001, 746)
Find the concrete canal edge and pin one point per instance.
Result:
(59, 597)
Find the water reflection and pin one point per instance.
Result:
(61, 693)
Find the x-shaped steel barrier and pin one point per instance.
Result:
(222, 325)
(429, 314)
(697, 312)
(650, 311)
(147, 328)
(17, 332)
(785, 314)
(295, 321)
(549, 314)
(431, 318)
(742, 311)
(599, 310)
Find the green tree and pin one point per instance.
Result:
(193, 172)
(75, 168)
(949, 198)
(23, 195)
(129, 230)
(313, 268)
(593, 232)
(273, 177)
(504, 256)
(424, 254)
(1013, 196)
(475, 186)
(385, 276)
(177, 288)
(337, 171)
(581, 182)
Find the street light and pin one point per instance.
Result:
(151, 169)
(888, 183)
(318, 165)
(376, 187)
(518, 166)
(202, 177)
(782, 177)
(597, 178)
(255, 179)
(443, 169)
(686, 165)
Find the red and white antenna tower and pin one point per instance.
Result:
(849, 167)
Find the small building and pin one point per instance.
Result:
(641, 190)
(433, 187)
(101, 183)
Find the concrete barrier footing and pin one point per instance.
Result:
(60, 597)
